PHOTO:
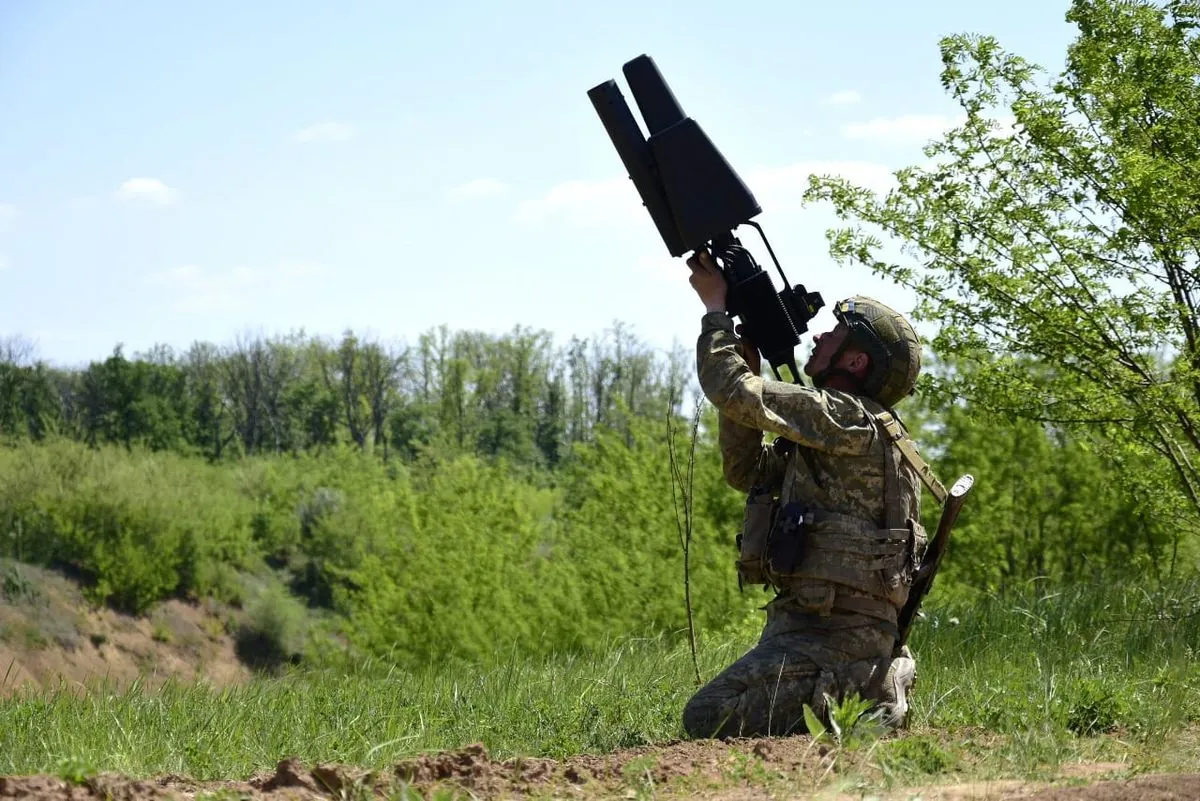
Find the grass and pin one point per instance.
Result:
(1017, 686)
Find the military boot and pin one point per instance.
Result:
(898, 680)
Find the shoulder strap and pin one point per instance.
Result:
(909, 452)
(891, 484)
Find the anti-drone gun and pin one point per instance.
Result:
(697, 201)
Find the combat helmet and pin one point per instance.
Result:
(888, 338)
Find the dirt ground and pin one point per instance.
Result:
(779, 768)
(48, 635)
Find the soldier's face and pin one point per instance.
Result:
(824, 346)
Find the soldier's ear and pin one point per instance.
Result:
(858, 363)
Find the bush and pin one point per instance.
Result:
(134, 527)
(272, 629)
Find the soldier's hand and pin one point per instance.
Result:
(749, 351)
(708, 281)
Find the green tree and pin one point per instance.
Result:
(28, 401)
(1059, 257)
(1046, 509)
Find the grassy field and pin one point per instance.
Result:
(1007, 687)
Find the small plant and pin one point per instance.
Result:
(34, 638)
(161, 632)
(639, 776)
(16, 587)
(916, 756)
(74, 769)
(851, 722)
(222, 794)
(272, 631)
(1094, 707)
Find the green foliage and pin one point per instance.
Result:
(469, 561)
(1091, 706)
(517, 396)
(74, 769)
(851, 722)
(1081, 657)
(619, 533)
(915, 756)
(457, 566)
(1037, 671)
(135, 528)
(15, 586)
(272, 630)
(1049, 503)
(1058, 256)
(451, 556)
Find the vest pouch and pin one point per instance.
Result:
(788, 544)
(899, 577)
(761, 508)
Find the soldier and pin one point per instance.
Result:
(832, 517)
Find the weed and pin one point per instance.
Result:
(1094, 706)
(161, 632)
(915, 756)
(75, 769)
(852, 724)
(15, 586)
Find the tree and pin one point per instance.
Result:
(1060, 257)
(1045, 508)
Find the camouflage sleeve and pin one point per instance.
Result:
(833, 422)
(747, 462)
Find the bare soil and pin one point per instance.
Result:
(49, 635)
(724, 771)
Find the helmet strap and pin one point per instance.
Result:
(822, 378)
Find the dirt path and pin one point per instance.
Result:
(782, 768)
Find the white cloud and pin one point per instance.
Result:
(844, 98)
(780, 188)
(203, 290)
(148, 189)
(584, 203)
(905, 129)
(325, 132)
(480, 187)
(917, 129)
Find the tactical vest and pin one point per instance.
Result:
(829, 562)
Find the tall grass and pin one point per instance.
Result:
(1065, 663)
(1082, 658)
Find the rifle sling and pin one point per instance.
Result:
(914, 459)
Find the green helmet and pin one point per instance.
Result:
(884, 335)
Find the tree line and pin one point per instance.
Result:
(517, 395)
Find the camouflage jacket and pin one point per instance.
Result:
(838, 465)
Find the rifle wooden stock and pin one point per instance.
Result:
(933, 555)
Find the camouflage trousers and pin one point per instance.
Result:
(797, 661)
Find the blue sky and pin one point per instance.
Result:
(172, 171)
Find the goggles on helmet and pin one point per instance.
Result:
(863, 333)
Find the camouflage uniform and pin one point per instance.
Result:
(832, 627)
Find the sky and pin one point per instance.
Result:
(182, 171)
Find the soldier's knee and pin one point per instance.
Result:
(701, 718)
(710, 713)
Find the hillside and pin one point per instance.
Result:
(50, 635)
